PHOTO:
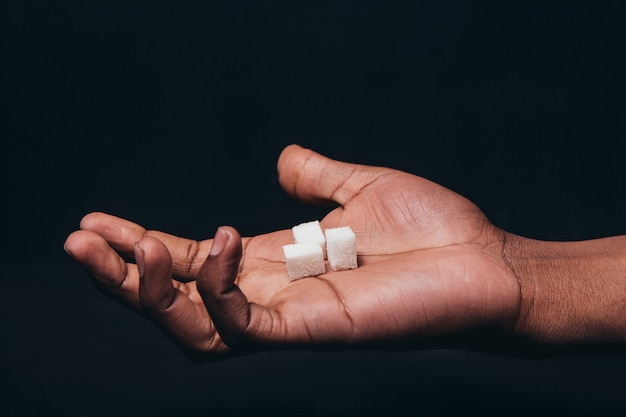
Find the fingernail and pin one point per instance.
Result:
(139, 258)
(219, 241)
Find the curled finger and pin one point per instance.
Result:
(238, 321)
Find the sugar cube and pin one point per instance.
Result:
(304, 260)
(341, 248)
(310, 232)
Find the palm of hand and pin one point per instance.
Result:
(428, 264)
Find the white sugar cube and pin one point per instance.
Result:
(304, 260)
(341, 248)
(310, 232)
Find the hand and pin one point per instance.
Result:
(430, 263)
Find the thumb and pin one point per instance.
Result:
(314, 178)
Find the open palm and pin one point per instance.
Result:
(430, 263)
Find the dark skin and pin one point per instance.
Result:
(430, 265)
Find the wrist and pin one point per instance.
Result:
(571, 293)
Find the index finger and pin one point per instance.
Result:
(188, 255)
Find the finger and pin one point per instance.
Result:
(172, 310)
(104, 266)
(314, 178)
(156, 292)
(236, 320)
(187, 254)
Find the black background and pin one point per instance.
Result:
(173, 114)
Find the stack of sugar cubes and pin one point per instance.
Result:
(305, 258)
